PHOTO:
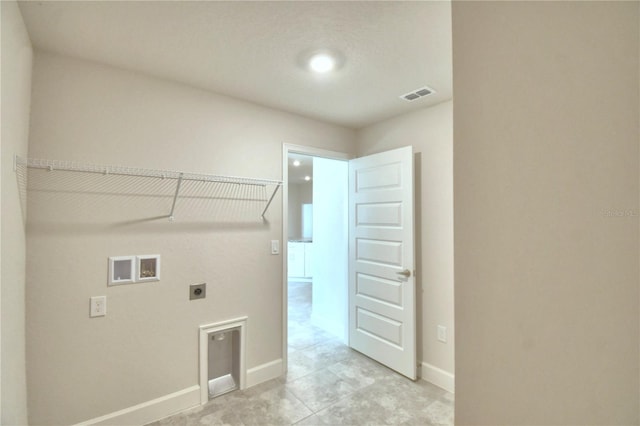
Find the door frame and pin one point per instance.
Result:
(286, 150)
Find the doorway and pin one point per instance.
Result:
(360, 251)
(315, 228)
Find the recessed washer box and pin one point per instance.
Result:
(148, 268)
(134, 269)
(122, 270)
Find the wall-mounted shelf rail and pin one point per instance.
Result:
(179, 177)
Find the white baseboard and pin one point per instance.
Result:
(264, 372)
(437, 376)
(167, 405)
(150, 411)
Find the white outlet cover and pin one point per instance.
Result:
(98, 306)
(442, 333)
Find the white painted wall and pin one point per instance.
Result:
(294, 206)
(16, 62)
(330, 266)
(546, 212)
(147, 345)
(299, 194)
(430, 131)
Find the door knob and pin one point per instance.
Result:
(406, 273)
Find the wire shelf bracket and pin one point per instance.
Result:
(180, 177)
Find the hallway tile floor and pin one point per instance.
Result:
(327, 384)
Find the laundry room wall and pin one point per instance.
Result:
(17, 56)
(146, 347)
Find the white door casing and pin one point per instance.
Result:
(382, 314)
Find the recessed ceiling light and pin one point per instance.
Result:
(322, 62)
(307, 178)
(296, 163)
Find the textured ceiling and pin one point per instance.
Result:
(253, 50)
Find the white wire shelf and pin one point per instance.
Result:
(74, 166)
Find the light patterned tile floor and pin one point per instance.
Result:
(327, 384)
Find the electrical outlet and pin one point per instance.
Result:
(275, 247)
(197, 291)
(442, 333)
(98, 306)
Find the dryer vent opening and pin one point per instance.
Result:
(222, 358)
(224, 362)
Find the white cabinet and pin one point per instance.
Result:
(308, 250)
(299, 259)
(296, 260)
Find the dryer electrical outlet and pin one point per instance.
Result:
(197, 291)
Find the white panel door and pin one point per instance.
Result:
(382, 315)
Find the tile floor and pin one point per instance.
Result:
(327, 384)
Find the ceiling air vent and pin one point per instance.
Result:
(417, 94)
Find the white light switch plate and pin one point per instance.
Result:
(98, 306)
(275, 246)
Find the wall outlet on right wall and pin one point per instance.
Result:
(442, 333)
